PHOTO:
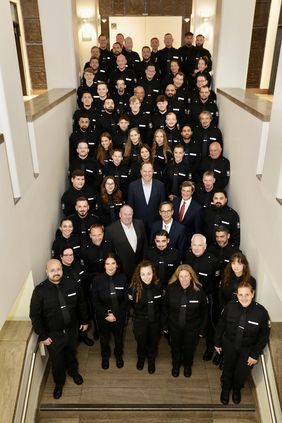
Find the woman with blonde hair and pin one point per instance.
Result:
(132, 146)
(184, 317)
(161, 151)
(145, 296)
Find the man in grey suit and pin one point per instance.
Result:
(145, 196)
(128, 237)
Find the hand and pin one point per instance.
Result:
(111, 318)
(47, 341)
(251, 361)
(83, 328)
(171, 197)
(218, 349)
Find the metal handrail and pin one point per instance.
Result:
(268, 389)
(29, 381)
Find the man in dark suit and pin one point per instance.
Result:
(176, 231)
(145, 195)
(128, 237)
(188, 211)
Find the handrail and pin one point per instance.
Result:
(268, 389)
(29, 381)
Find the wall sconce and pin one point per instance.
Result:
(186, 20)
(104, 20)
(206, 18)
(86, 30)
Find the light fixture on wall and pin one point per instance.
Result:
(86, 25)
(186, 20)
(104, 20)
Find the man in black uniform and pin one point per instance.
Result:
(159, 117)
(122, 72)
(165, 55)
(78, 189)
(172, 130)
(84, 132)
(219, 164)
(200, 51)
(164, 258)
(192, 150)
(219, 213)
(90, 166)
(176, 172)
(203, 103)
(109, 118)
(106, 55)
(82, 220)
(141, 67)
(206, 268)
(204, 191)
(57, 309)
(88, 109)
(132, 57)
(187, 52)
(118, 170)
(140, 120)
(175, 105)
(206, 133)
(121, 97)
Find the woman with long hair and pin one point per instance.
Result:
(145, 296)
(132, 146)
(145, 156)
(109, 202)
(236, 271)
(109, 294)
(184, 317)
(161, 151)
(105, 150)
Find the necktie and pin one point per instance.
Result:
(115, 306)
(150, 297)
(181, 212)
(182, 312)
(240, 329)
(64, 307)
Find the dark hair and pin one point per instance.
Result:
(228, 272)
(136, 282)
(222, 191)
(222, 228)
(117, 194)
(188, 33)
(245, 285)
(162, 232)
(113, 256)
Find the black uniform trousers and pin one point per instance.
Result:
(105, 330)
(235, 368)
(62, 354)
(147, 336)
(183, 345)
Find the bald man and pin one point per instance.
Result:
(57, 310)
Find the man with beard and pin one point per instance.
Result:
(187, 52)
(207, 132)
(82, 220)
(122, 72)
(174, 104)
(219, 213)
(206, 268)
(167, 54)
(192, 150)
(78, 189)
(121, 97)
(203, 103)
(90, 166)
(83, 132)
(108, 120)
(57, 310)
(200, 51)
(217, 163)
(88, 109)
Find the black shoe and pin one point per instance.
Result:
(77, 378)
(175, 371)
(58, 391)
(207, 356)
(96, 335)
(140, 364)
(236, 396)
(224, 397)
(105, 363)
(119, 362)
(217, 359)
(151, 368)
(187, 371)
(87, 341)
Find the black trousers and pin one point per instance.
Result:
(105, 330)
(235, 368)
(147, 336)
(62, 354)
(183, 345)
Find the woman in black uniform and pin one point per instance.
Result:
(236, 271)
(184, 317)
(241, 334)
(65, 239)
(145, 295)
(110, 301)
(108, 204)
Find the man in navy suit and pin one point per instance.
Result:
(145, 195)
(188, 211)
(176, 231)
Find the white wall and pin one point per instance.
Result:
(142, 29)
(60, 42)
(233, 32)
(203, 19)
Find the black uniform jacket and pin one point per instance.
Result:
(45, 310)
(196, 310)
(141, 308)
(102, 294)
(257, 328)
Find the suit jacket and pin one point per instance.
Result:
(116, 235)
(193, 218)
(177, 235)
(136, 199)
